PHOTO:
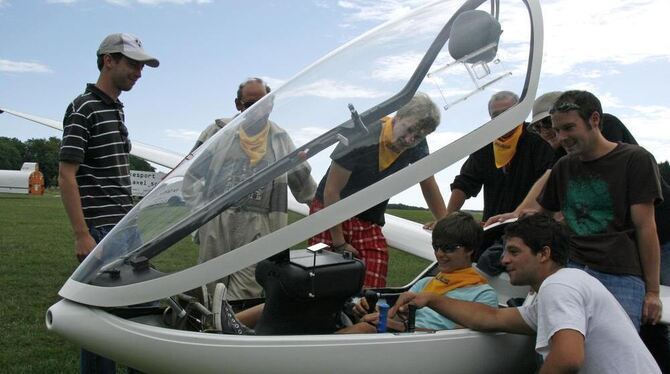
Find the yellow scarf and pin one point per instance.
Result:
(445, 282)
(504, 149)
(254, 146)
(386, 155)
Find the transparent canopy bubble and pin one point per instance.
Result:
(326, 111)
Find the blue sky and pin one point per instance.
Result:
(617, 49)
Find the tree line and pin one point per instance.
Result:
(13, 153)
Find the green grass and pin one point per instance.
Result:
(36, 247)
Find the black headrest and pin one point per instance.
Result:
(473, 30)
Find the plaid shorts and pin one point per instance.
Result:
(368, 239)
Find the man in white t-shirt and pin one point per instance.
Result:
(580, 326)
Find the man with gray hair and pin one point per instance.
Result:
(506, 169)
(392, 144)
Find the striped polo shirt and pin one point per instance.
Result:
(95, 137)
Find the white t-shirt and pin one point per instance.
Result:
(572, 299)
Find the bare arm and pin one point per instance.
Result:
(337, 179)
(472, 315)
(566, 353)
(530, 201)
(433, 196)
(642, 216)
(456, 200)
(69, 189)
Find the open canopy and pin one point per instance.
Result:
(458, 53)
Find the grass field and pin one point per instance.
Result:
(36, 246)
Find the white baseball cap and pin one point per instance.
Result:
(129, 46)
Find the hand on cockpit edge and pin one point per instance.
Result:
(429, 225)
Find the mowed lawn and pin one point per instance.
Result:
(36, 247)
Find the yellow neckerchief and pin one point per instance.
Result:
(386, 155)
(504, 149)
(254, 146)
(445, 282)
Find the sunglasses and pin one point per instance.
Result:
(446, 248)
(564, 107)
(543, 124)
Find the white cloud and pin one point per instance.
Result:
(177, 2)
(307, 134)
(22, 67)
(649, 125)
(576, 32)
(274, 83)
(331, 89)
(603, 31)
(129, 2)
(378, 10)
(182, 134)
(394, 68)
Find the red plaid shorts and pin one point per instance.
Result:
(368, 239)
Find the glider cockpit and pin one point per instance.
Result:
(456, 52)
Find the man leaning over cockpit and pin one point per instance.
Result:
(390, 146)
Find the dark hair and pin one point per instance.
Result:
(101, 61)
(458, 228)
(586, 102)
(251, 80)
(538, 231)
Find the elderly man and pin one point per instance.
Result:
(238, 155)
(391, 145)
(579, 325)
(506, 169)
(248, 93)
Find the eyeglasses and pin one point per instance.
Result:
(543, 124)
(564, 107)
(446, 248)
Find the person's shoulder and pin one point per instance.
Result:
(631, 151)
(221, 122)
(84, 102)
(81, 101)
(569, 277)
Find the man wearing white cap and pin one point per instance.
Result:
(93, 174)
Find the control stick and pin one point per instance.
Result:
(371, 297)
